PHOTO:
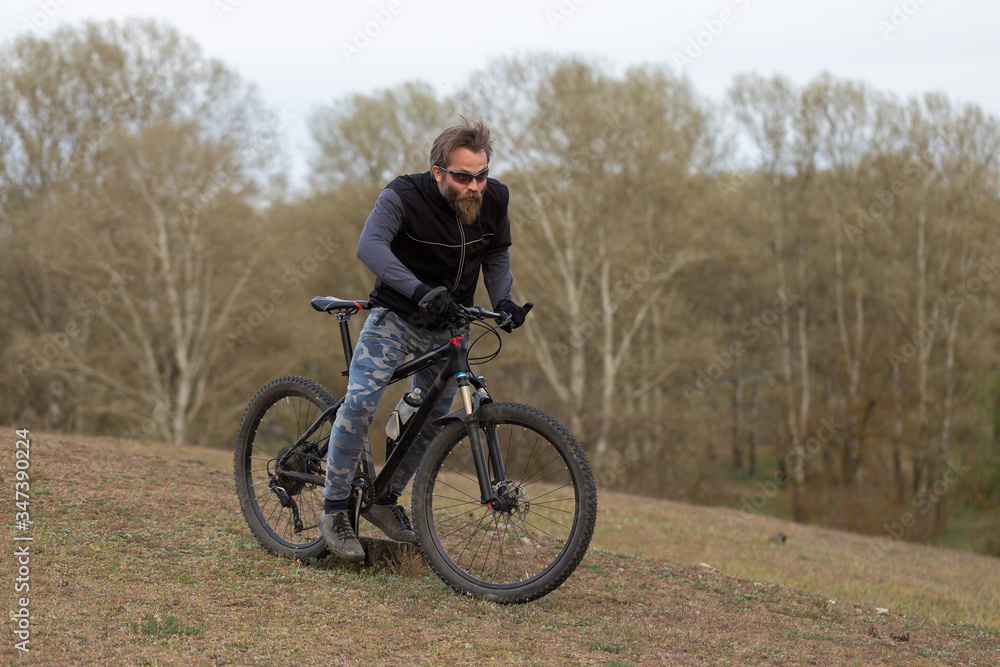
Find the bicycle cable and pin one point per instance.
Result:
(490, 329)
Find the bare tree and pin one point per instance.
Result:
(954, 157)
(592, 228)
(373, 138)
(147, 160)
(765, 110)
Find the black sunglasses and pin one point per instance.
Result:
(464, 177)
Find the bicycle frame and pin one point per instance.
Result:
(455, 355)
(503, 502)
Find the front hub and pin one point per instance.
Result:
(512, 504)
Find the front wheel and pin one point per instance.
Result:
(529, 544)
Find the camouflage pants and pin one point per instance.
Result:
(383, 345)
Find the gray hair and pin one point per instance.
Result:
(475, 136)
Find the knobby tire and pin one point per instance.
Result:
(276, 417)
(533, 544)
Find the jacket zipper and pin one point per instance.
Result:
(461, 261)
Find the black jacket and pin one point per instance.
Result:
(413, 237)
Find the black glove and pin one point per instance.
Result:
(516, 312)
(435, 307)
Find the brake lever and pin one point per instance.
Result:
(503, 320)
(431, 296)
(509, 319)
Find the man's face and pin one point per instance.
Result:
(468, 198)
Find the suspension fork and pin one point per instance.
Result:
(492, 444)
(471, 419)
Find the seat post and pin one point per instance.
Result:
(345, 336)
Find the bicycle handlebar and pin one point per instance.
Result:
(469, 313)
(480, 313)
(474, 312)
(330, 304)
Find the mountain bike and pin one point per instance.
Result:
(503, 501)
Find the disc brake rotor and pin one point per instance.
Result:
(514, 505)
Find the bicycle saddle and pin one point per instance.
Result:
(327, 304)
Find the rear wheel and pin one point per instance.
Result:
(529, 544)
(283, 512)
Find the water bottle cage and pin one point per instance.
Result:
(393, 428)
(402, 413)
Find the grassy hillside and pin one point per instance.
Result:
(140, 556)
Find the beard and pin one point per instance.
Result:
(466, 204)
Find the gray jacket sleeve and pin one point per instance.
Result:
(496, 268)
(374, 250)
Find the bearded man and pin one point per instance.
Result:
(429, 230)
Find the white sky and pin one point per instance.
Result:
(294, 51)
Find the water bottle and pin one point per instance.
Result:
(407, 405)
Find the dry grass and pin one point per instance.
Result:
(940, 584)
(141, 557)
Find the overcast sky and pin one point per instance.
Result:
(310, 52)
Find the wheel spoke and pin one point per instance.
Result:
(520, 547)
(284, 410)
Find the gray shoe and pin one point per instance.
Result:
(340, 537)
(392, 520)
